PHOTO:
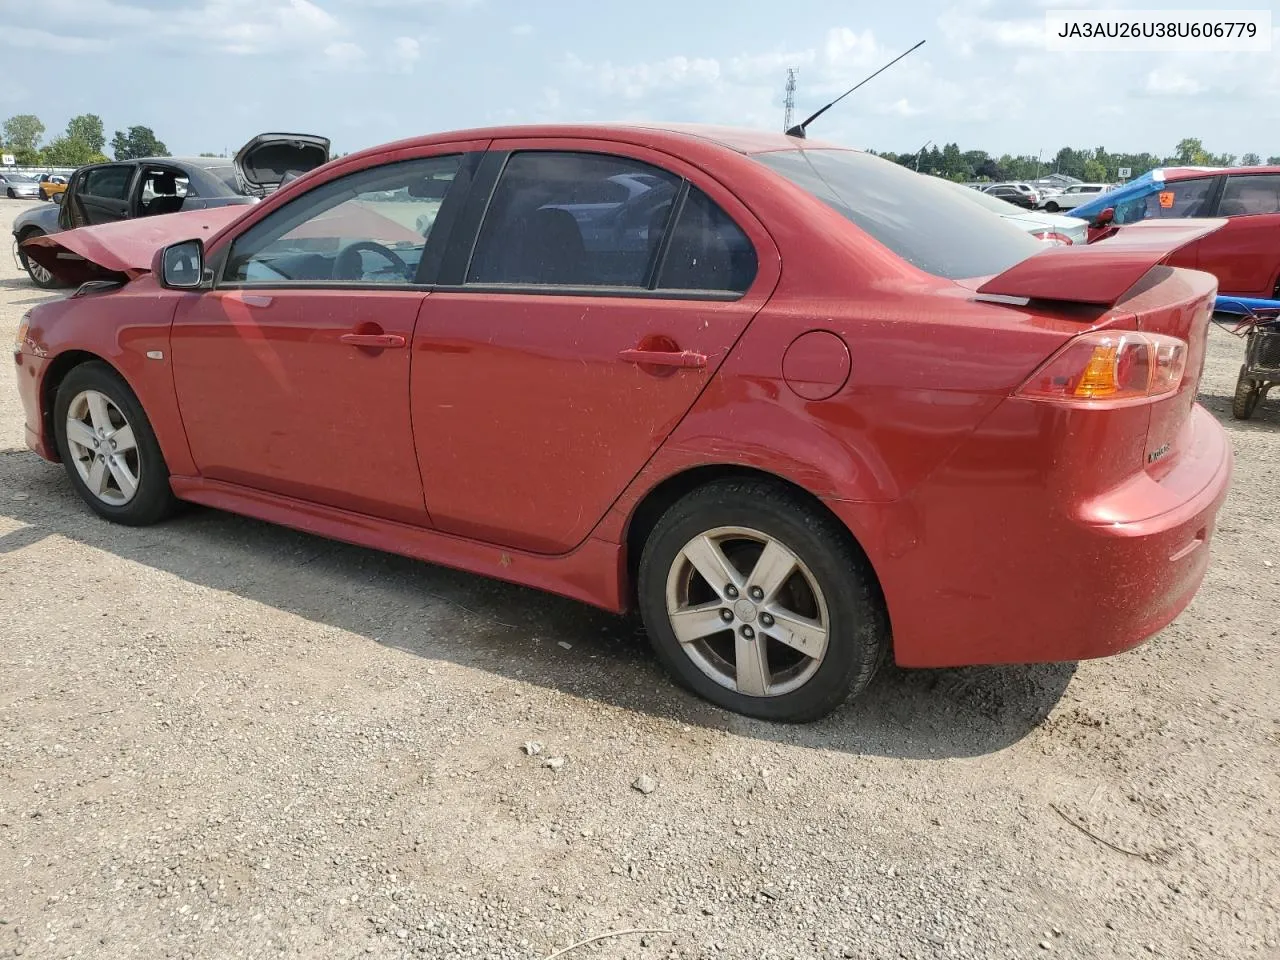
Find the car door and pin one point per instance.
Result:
(292, 373)
(103, 194)
(554, 358)
(1245, 254)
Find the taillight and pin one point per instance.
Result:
(1110, 365)
(1052, 237)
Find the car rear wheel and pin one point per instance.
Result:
(39, 275)
(760, 603)
(109, 449)
(1246, 397)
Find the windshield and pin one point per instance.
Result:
(18, 178)
(917, 217)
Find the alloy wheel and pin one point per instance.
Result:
(103, 448)
(747, 611)
(40, 274)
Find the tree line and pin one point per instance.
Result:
(1093, 166)
(82, 142)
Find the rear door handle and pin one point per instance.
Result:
(683, 359)
(380, 341)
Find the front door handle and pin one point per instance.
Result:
(379, 341)
(682, 359)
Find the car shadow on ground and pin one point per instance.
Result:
(24, 283)
(520, 633)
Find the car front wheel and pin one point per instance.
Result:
(1052, 207)
(761, 603)
(41, 276)
(108, 447)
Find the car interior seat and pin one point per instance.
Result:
(166, 199)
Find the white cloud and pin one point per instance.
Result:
(229, 26)
(902, 108)
(522, 29)
(344, 53)
(405, 53)
(641, 80)
(1170, 82)
(43, 40)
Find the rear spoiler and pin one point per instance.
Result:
(1099, 273)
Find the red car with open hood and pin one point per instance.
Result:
(801, 407)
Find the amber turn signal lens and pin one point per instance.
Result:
(1110, 365)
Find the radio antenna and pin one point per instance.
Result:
(799, 129)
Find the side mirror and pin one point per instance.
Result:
(57, 198)
(181, 265)
(1104, 218)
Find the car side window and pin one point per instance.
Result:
(1181, 198)
(108, 183)
(370, 227)
(573, 219)
(707, 250)
(1250, 195)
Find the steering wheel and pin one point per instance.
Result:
(349, 265)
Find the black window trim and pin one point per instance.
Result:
(431, 253)
(452, 253)
(1214, 198)
(452, 278)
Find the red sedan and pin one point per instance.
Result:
(802, 407)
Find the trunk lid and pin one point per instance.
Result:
(271, 159)
(123, 250)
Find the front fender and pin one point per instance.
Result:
(129, 330)
(42, 218)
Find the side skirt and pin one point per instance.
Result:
(592, 573)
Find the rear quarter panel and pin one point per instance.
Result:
(926, 369)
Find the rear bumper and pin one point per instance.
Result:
(1000, 574)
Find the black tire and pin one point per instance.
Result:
(857, 625)
(1051, 207)
(39, 276)
(153, 499)
(1246, 396)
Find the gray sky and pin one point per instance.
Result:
(208, 74)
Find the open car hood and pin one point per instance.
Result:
(123, 250)
(272, 159)
(1098, 273)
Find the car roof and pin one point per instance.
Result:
(670, 135)
(1185, 173)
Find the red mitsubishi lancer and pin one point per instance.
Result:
(803, 408)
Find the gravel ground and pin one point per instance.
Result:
(219, 738)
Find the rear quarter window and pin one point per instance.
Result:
(920, 220)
